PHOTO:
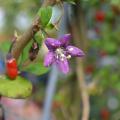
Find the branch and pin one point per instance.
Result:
(79, 33)
(84, 93)
(24, 39)
(81, 80)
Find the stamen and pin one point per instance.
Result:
(57, 50)
(68, 57)
(60, 54)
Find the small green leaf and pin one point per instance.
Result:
(36, 68)
(50, 26)
(19, 88)
(45, 14)
(25, 54)
(39, 37)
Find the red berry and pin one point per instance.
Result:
(11, 63)
(12, 72)
(100, 16)
(11, 68)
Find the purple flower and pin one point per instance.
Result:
(60, 51)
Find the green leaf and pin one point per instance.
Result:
(39, 37)
(45, 14)
(50, 26)
(36, 68)
(18, 88)
(25, 54)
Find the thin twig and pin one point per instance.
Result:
(84, 94)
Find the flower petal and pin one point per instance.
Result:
(74, 51)
(65, 39)
(49, 59)
(52, 43)
(63, 65)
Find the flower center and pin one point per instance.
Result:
(60, 54)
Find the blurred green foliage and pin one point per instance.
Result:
(13, 8)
